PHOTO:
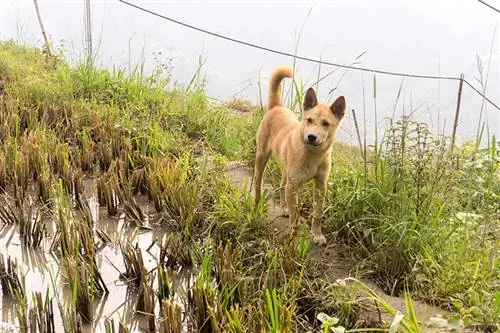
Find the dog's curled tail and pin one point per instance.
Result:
(277, 75)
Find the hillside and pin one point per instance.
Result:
(131, 204)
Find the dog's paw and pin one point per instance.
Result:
(319, 239)
(284, 212)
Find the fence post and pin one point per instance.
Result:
(457, 112)
(45, 37)
(87, 22)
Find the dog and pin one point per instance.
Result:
(303, 147)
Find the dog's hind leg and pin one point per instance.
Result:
(260, 164)
(283, 203)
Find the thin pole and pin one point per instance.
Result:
(88, 29)
(358, 134)
(457, 112)
(45, 37)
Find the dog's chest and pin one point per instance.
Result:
(304, 172)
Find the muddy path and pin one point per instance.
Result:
(330, 258)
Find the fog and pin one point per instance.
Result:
(422, 37)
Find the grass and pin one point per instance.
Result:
(413, 217)
(42, 314)
(414, 191)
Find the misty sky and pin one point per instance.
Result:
(424, 37)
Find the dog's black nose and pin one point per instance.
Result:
(311, 138)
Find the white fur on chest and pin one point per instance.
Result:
(303, 172)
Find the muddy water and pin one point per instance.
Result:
(42, 269)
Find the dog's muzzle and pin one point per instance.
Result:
(312, 140)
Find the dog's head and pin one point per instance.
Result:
(320, 121)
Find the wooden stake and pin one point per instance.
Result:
(47, 43)
(457, 112)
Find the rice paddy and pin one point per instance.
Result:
(126, 207)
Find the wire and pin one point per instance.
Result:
(286, 53)
(482, 95)
(260, 47)
(488, 5)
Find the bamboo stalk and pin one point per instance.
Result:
(44, 33)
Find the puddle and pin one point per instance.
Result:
(42, 269)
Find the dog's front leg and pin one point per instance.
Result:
(321, 182)
(283, 202)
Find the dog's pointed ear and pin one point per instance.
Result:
(310, 100)
(338, 107)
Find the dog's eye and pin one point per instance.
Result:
(309, 120)
(325, 124)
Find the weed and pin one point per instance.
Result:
(32, 228)
(165, 290)
(237, 216)
(177, 250)
(3, 173)
(280, 317)
(8, 214)
(109, 326)
(304, 244)
(59, 124)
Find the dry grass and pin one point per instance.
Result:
(12, 284)
(170, 317)
(135, 271)
(145, 305)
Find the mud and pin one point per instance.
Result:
(42, 269)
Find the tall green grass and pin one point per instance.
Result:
(423, 218)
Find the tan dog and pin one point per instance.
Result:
(302, 147)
